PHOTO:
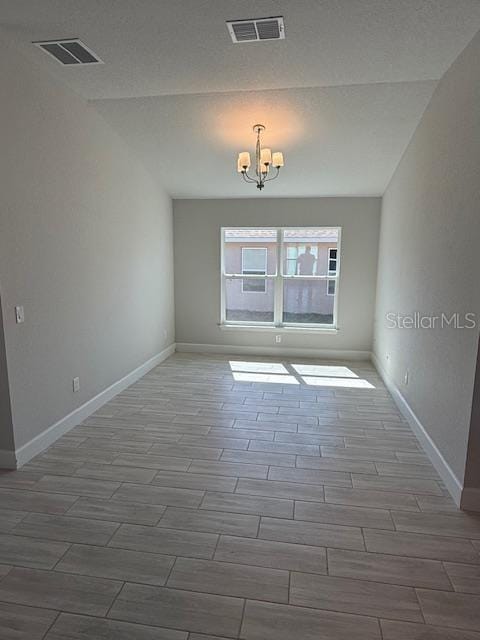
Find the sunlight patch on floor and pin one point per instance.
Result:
(247, 376)
(316, 375)
(332, 371)
(354, 383)
(258, 367)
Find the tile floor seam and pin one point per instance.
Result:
(44, 636)
(242, 617)
(107, 614)
(449, 576)
(165, 584)
(70, 545)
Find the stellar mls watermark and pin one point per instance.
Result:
(418, 320)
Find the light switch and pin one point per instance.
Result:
(19, 315)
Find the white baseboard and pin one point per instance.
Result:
(296, 352)
(450, 480)
(14, 460)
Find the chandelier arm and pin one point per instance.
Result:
(273, 177)
(247, 178)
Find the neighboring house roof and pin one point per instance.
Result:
(291, 235)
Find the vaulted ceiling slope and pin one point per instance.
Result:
(341, 95)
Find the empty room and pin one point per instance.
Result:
(239, 320)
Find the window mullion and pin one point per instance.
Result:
(223, 314)
(278, 305)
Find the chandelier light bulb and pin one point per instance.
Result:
(266, 156)
(244, 159)
(277, 159)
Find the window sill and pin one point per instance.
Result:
(252, 327)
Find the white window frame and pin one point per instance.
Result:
(278, 277)
(332, 271)
(246, 271)
(328, 282)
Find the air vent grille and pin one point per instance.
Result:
(256, 30)
(69, 52)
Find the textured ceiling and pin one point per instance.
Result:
(163, 47)
(340, 140)
(341, 95)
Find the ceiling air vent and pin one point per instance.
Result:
(69, 52)
(256, 30)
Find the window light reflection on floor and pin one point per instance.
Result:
(355, 383)
(257, 367)
(249, 376)
(332, 371)
(295, 374)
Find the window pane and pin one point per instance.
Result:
(254, 260)
(250, 251)
(291, 265)
(254, 284)
(249, 299)
(331, 287)
(307, 302)
(307, 251)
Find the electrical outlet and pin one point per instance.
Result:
(76, 385)
(19, 315)
(405, 378)
(278, 339)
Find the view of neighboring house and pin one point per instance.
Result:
(300, 266)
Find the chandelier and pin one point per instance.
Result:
(264, 161)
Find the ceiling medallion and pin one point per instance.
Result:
(264, 161)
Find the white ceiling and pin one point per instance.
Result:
(341, 95)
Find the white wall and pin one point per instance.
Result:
(429, 260)
(85, 246)
(197, 225)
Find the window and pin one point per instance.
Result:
(296, 270)
(254, 261)
(332, 261)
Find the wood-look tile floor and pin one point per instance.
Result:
(231, 498)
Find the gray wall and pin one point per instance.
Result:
(472, 468)
(85, 246)
(429, 259)
(197, 225)
(6, 430)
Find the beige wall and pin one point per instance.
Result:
(429, 260)
(197, 225)
(85, 246)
